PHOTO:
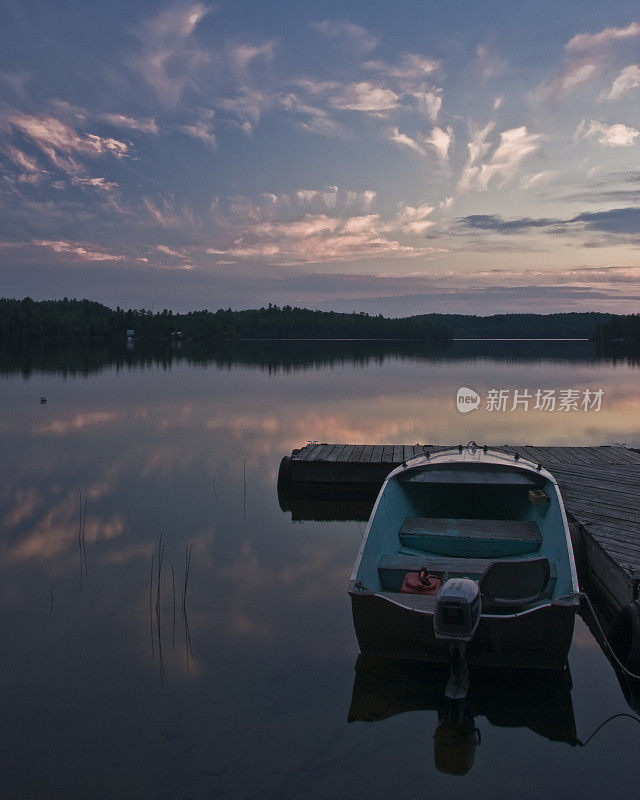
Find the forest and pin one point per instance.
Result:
(619, 329)
(72, 320)
(68, 320)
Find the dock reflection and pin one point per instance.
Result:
(383, 688)
(328, 502)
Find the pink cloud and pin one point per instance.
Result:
(62, 144)
(588, 41)
(78, 251)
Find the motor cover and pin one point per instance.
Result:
(458, 607)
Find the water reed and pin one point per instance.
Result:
(82, 548)
(185, 616)
(155, 605)
(153, 648)
(158, 607)
(244, 489)
(173, 583)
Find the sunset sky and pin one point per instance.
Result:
(359, 156)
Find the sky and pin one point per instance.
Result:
(426, 157)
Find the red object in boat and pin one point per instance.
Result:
(420, 583)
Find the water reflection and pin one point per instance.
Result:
(281, 356)
(541, 702)
(255, 706)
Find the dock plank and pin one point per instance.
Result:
(387, 454)
(310, 452)
(356, 453)
(367, 452)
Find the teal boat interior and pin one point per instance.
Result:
(458, 519)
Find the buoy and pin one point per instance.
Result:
(624, 636)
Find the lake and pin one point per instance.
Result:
(143, 472)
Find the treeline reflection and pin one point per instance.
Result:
(287, 356)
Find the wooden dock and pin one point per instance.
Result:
(600, 487)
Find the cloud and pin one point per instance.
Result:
(403, 140)
(78, 251)
(61, 143)
(368, 97)
(355, 35)
(333, 196)
(494, 222)
(628, 79)
(24, 161)
(143, 124)
(202, 130)
(590, 41)
(616, 220)
(487, 65)
(102, 184)
(437, 142)
(516, 144)
(311, 118)
(164, 213)
(414, 219)
(242, 55)
(328, 196)
(529, 181)
(411, 65)
(617, 135)
(624, 221)
(316, 238)
(365, 198)
(575, 74)
(429, 103)
(440, 141)
(249, 104)
(169, 60)
(477, 147)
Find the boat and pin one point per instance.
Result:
(467, 556)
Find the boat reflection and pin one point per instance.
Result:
(383, 688)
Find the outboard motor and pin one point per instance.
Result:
(458, 608)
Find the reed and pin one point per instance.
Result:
(153, 648)
(244, 489)
(173, 582)
(158, 609)
(82, 548)
(185, 616)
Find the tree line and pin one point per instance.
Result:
(619, 328)
(85, 320)
(75, 320)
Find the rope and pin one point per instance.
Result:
(605, 641)
(602, 724)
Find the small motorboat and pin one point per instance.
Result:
(467, 557)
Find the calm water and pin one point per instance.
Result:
(105, 693)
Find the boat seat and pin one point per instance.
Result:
(392, 569)
(510, 585)
(470, 538)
